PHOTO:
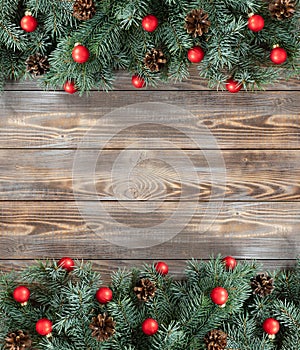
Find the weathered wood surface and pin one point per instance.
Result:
(258, 135)
(251, 175)
(245, 230)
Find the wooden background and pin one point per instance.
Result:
(258, 134)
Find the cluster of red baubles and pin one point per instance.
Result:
(104, 295)
(81, 54)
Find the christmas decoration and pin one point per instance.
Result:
(84, 9)
(230, 262)
(162, 268)
(262, 284)
(28, 23)
(181, 309)
(195, 54)
(37, 64)
(215, 340)
(256, 23)
(155, 60)
(144, 289)
(44, 327)
(197, 23)
(282, 9)
(18, 340)
(113, 36)
(80, 53)
(138, 81)
(21, 294)
(271, 326)
(150, 23)
(103, 327)
(104, 295)
(278, 55)
(219, 296)
(66, 263)
(69, 86)
(150, 326)
(233, 86)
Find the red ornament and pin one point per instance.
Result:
(271, 326)
(150, 326)
(104, 295)
(278, 55)
(80, 54)
(256, 23)
(28, 23)
(219, 296)
(230, 262)
(43, 326)
(66, 263)
(195, 54)
(137, 81)
(69, 86)
(233, 86)
(150, 23)
(162, 268)
(21, 294)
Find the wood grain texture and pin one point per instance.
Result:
(150, 175)
(244, 230)
(55, 120)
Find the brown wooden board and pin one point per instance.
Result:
(45, 214)
(250, 175)
(32, 119)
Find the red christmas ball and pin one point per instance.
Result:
(21, 294)
(43, 326)
(162, 268)
(28, 23)
(69, 86)
(150, 326)
(233, 86)
(256, 23)
(104, 295)
(195, 54)
(137, 81)
(219, 296)
(230, 262)
(150, 23)
(271, 326)
(80, 54)
(278, 55)
(66, 263)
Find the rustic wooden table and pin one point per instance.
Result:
(257, 134)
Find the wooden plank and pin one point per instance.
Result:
(150, 175)
(123, 82)
(176, 267)
(245, 230)
(55, 120)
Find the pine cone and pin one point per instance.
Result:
(144, 289)
(215, 340)
(103, 327)
(197, 23)
(262, 284)
(155, 60)
(18, 340)
(84, 9)
(37, 64)
(282, 9)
